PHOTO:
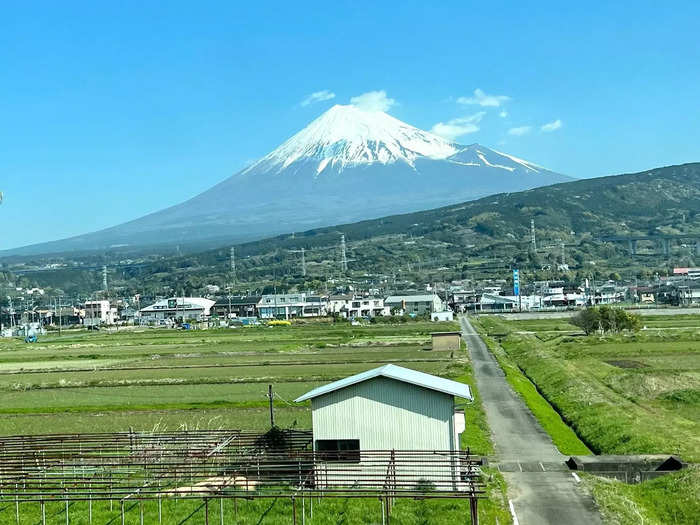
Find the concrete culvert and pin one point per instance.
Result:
(630, 469)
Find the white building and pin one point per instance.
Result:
(177, 309)
(99, 313)
(415, 304)
(349, 306)
(447, 315)
(292, 305)
(388, 408)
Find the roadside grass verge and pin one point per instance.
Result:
(629, 393)
(670, 499)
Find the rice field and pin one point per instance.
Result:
(158, 378)
(629, 393)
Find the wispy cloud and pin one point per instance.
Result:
(456, 127)
(503, 113)
(551, 126)
(482, 99)
(520, 131)
(373, 101)
(318, 96)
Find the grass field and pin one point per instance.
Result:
(621, 394)
(162, 379)
(219, 378)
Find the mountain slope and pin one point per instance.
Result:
(472, 239)
(347, 165)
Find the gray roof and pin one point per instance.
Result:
(425, 298)
(399, 373)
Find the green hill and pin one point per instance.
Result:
(482, 238)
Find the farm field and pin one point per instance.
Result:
(217, 379)
(621, 394)
(103, 382)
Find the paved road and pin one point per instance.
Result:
(540, 487)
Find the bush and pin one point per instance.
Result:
(606, 319)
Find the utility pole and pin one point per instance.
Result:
(532, 234)
(12, 312)
(57, 304)
(272, 412)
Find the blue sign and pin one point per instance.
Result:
(516, 282)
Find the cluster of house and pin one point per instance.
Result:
(294, 306)
(542, 296)
(171, 310)
(680, 288)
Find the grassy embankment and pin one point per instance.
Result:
(621, 394)
(161, 379)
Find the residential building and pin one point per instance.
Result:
(415, 304)
(177, 309)
(237, 306)
(349, 306)
(293, 305)
(99, 313)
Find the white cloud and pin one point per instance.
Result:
(373, 101)
(482, 99)
(551, 126)
(318, 96)
(503, 114)
(456, 127)
(520, 131)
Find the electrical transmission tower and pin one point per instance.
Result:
(303, 260)
(343, 255)
(532, 234)
(233, 265)
(105, 289)
(563, 255)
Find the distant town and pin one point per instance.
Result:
(27, 311)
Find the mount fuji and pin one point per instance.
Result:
(347, 165)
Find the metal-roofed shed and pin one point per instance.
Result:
(388, 408)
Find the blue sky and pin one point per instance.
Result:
(112, 111)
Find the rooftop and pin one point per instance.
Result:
(398, 373)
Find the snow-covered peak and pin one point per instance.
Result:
(349, 136)
(478, 155)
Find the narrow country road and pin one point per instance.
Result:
(542, 490)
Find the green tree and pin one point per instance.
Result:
(587, 320)
(606, 319)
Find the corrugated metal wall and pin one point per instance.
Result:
(386, 414)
